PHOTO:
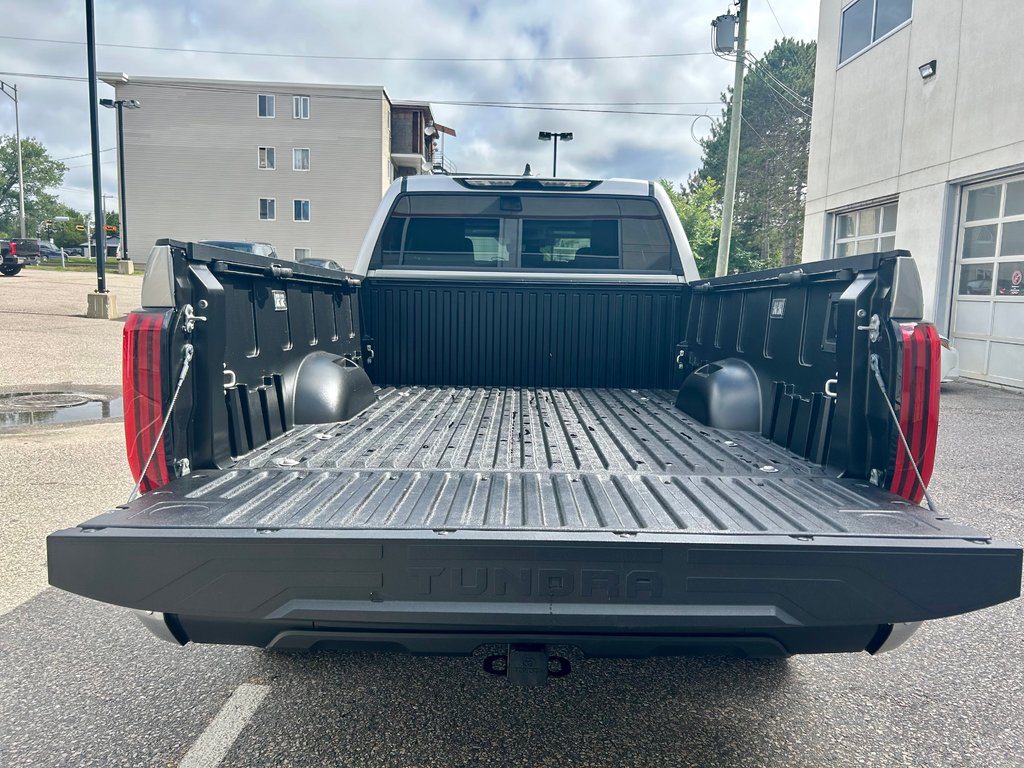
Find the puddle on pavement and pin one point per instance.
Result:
(26, 409)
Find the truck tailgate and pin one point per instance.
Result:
(545, 511)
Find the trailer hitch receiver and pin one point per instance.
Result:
(527, 665)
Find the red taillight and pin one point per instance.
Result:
(918, 408)
(14, 248)
(142, 375)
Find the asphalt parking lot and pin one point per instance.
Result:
(82, 684)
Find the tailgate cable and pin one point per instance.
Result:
(186, 364)
(903, 438)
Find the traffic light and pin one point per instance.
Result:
(110, 228)
(80, 227)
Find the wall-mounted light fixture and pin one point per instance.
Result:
(927, 69)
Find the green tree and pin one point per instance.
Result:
(774, 142)
(41, 172)
(700, 210)
(65, 234)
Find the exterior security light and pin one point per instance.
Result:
(120, 103)
(927, 69)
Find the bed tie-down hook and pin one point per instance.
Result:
(191, 318)
(874, 327)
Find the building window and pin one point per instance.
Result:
(267, 159)
(868, 21)
(300, 107)
(868, 230)
(301, 212)
(265, 105)
(992, 230)
(268, 209)
(300, 159)
(302, 253)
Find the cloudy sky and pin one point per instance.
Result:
(496, 140)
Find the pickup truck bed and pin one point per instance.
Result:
(442, 518)
(487, 458)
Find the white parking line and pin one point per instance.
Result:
(213, 744)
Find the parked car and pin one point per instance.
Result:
(49, 251)
(17, 253)
(259, 249)
(112, 245)
(527, 422)
(323, 264)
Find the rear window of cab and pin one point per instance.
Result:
(526, 232)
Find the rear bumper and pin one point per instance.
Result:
(21, 261)
(445, 593)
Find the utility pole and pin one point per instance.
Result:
(729, 198)
(17, 137)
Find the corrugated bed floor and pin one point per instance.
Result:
(487, 429)
(499, 458)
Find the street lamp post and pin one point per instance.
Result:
(94, 136)
(549, 136)
(102, 303)
(120, 105)
(11, 91)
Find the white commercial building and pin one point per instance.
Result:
(917, 142)
(299, 166)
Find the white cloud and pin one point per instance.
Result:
(490, 140)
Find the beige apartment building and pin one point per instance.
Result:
(917, 142)
(296, 165)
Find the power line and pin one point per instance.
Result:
(793, 99)
(600, 103)
(76, 78)
(88, 165)
(485, 105)
(782, 100)
(84, 154)
(776, 17)
(43, 76)
(267, 54)
(762, 137)
(754, 60)
(444, 102)
(786, 97)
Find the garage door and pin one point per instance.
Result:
(988, 307)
